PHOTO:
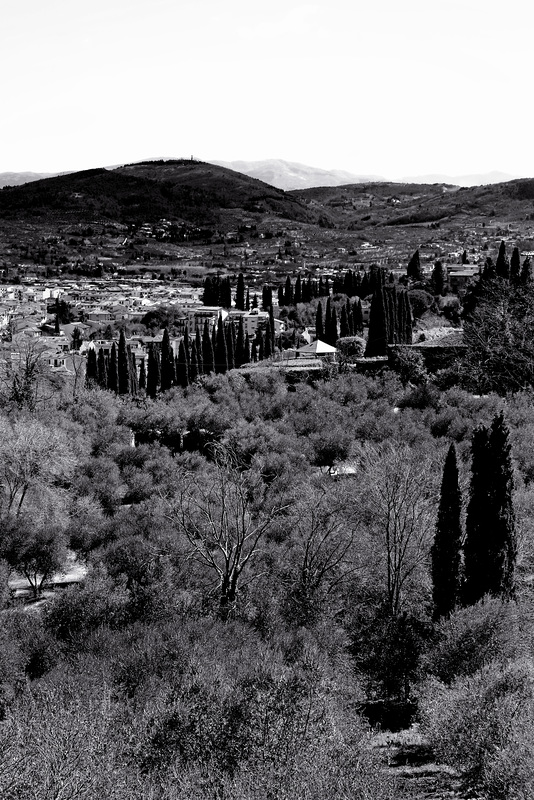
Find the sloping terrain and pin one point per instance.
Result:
(192, 191)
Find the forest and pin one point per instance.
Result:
(272, 567)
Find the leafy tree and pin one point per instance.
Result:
(446, 549)
(37, 551)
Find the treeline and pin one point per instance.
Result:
(215, 351)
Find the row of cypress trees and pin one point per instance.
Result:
(485, 563)
(390, 318)
(350, 321)
(216, 352)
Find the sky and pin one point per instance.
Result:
(383, 88)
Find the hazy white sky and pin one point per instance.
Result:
(370, 86)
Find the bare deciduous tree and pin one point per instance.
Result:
(224, 516)
(398, 500)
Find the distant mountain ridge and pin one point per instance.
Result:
(289, 175)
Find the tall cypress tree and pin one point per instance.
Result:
(194, 370)
(198, 344)
(240, 292)
(142, 375)
(266, 297)
(247, 301)
(515, 266)
(297, 296)
(167, 375)
(102, 369)
(91, 370)
(378, 325)
(288, 292)
(319, 325)
(503, 541)
(246, 351)
(490, 546)
(220, 351)
(113, 371)
(328, 321)
(123, 366)
(357, 317)
(182, 366)
(230, 345)
(446, 549)
(414, 271)
(267, 341)
(134, 382)
(207, 351)
(153, 372)
(332, 333)
(502, 265)
(240, 344)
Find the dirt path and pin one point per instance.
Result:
(408, 759)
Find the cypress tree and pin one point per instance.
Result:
(502, 265)
(503, 542)
(357, 317)
(91, 370)
(260, 345)
(240, 344)
(247, 301)
(113, 370)
(246, 351)
(194, 370)
(344, 329)
(230, 344)
(515, 266)
(102, 369)
(198, 344)
(240, 292)
(281, 297)
(378, 332)
(526, 271)
(266, 297)
(350, 319)
(134, 383)
(297, 296)
(328, 322)
(288, 292)
(414, 271)
(220, 351)
(182, 367)
(267, 341)
(153, 372)
(123, 366)
(142, 375)
(333, 332)
(167, 373)
(254, 303)
(319, 327)
(207, 351)
(254, 351)
(490, 546)
(225, 293)
(446, 549)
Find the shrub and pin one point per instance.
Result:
(489, 631)
(483, 725)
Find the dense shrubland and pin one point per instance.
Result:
(259, 568)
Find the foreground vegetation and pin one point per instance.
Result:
(245, 605)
